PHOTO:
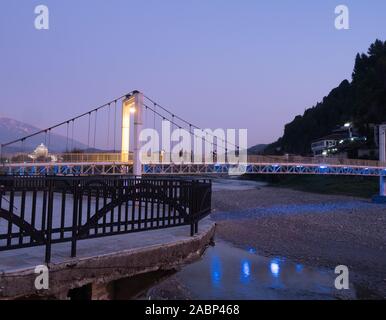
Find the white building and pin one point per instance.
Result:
(41, 152)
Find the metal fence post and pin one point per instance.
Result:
(193, 208)
(74, 219)
(172, 202)
(49, 222)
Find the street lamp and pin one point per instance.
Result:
(348, 125)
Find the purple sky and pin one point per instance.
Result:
(230, 64)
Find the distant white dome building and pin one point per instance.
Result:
(41, 151)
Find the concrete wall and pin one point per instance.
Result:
(101, 273)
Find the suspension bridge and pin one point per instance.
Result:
(62, 193)
(108, 152)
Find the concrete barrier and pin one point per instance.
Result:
(97, 272)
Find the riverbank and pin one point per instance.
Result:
(363, 187)
(316, 230)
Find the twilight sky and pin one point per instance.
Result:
(219, 63)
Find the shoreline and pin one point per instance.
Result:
(354, 186)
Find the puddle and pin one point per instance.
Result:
(227, 272)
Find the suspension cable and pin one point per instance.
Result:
(95, 127)
(72, 135)
(192, 151)
(108, 105)
(115, 124)
(88, 134)
(175, 124)
(108, 126)
(155, 106)
(49, 139)
(67, 136)
(181, 119)
(22, 149)
(64, 122)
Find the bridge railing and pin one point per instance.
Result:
(155, 158)
(314, 160)
(69, 158)
(93, 157)
(37, 211)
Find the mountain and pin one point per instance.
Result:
(11, 129)
(257, 149)
(361, 101)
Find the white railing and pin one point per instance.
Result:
(186, 158)
(252, 159)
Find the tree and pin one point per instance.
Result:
(361, 101)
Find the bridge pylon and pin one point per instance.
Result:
(132, 105)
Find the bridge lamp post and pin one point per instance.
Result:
(132, 105)
(382, 158)
(381, 198)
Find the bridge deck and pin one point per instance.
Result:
(281, 166)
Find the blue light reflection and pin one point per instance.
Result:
(275, 268)
(245, 271)
(216, 271)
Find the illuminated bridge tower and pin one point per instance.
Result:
(132, 104)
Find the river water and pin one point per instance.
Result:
(229, 272)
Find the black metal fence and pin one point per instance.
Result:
(37, 211)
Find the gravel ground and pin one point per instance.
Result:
(318, 230)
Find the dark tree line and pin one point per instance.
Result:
(361, 101)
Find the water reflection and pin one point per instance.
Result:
(275, 268)
(251, 250)
(216, 271)
(245, 271)
(226, 272)
(299, 268)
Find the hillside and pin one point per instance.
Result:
(361, 101)
(11, 129)
(257, 149)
